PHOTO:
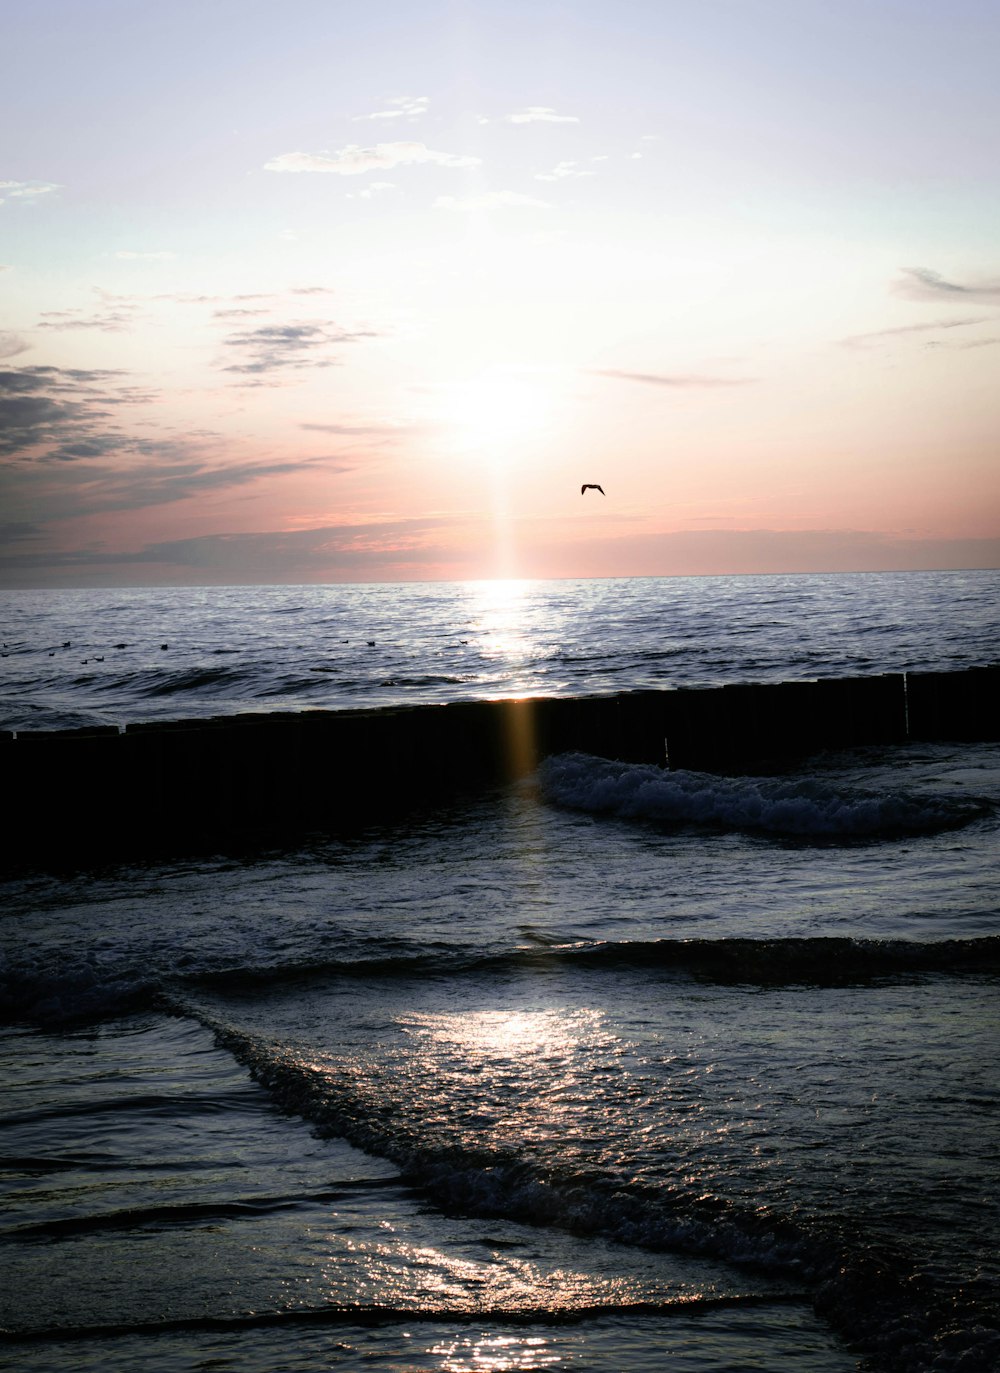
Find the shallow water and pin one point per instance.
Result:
(615, 1068)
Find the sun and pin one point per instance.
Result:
(496, 413)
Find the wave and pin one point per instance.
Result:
(216, 680)
(53, 991)
(800, 807)
(179, 1213)
(812, 960)
(82, 990)
(494, 1181)
(369, 1316)
(876, 1297)
(427, 680)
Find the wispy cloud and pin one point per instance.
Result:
(489, 200)
(114, 314)
(26, 190)
(402, 107)
(920, 283)
(563, 171)
(127, 255)
(384, 430)
(679, 381)
(933, 326)
(241, 312)
(235, 301)
(966, 344)
(268, 555)
(109, 321)
(135, 476)
(354, 160)
(279, 347)
(369, 192)
(540, 114)
(11, 344)
(64, 452)
(62, 413)
(13, 531)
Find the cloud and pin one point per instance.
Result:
(393, 549)
(563, 170)
(114, 314)
(26, 190)
(44, 408)
(353, 160)
(269, 556)
(920, 283)
(540, 114)
(386, 430)
(12, 531)
(678, 381)
(343, 545)
(136, 475)
(879, 335)
(126, 255)
(489, 200)
(185, 298)
(56, 419)
(402, 107)
(11, 345)
(966, 343)
(64, 453)
(109, 321)
(712, 552)
(371, 190)
(241, 312)
(276, 347)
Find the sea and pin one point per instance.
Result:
(610, 1068)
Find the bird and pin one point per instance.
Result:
(591, 486)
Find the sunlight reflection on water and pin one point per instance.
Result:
(489, 1035)
(469, 1354)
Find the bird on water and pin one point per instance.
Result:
(591, 486)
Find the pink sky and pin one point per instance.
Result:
(328, 298)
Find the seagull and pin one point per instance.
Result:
(591, 486)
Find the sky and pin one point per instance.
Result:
(323, 292)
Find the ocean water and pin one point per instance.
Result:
(74, 658)
(610, 1069)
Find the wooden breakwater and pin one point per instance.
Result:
(189, 786)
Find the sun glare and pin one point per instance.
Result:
(500, 412)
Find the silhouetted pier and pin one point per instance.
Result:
(193, 786)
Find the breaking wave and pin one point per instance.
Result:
(801, 807)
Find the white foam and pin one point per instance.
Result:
(799, 806)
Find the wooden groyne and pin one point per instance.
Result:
(191, 786)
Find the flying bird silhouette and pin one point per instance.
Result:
(591, 486)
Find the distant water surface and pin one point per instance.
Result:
(125, 655)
